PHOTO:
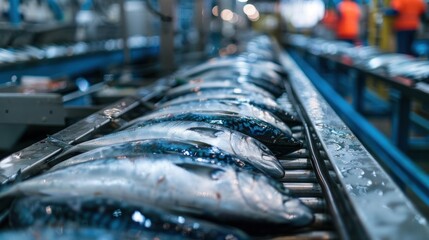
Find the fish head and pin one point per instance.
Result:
(258, 155)
(272, 200)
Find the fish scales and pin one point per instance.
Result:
(200, 189)
(197, 151)
(247, 148)
(249, 119)
(193, 87)
(220, 105)
(113, 215)
(253, 99)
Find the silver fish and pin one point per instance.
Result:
(88, 212)
(247, 148)
(197, 151)
(220, 105)
(276, 140)
(73, 233)
(255, 99)
(232, 63)
(220, 193)
(272, 83)
(196, 86)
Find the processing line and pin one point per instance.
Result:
(333, 174)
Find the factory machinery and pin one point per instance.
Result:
(344, 193)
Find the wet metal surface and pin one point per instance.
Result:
(32, 159)
(383, 209)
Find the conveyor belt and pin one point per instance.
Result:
(350, 194)
(359, 194)
(306, 183)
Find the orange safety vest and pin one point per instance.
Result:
(330, 19)
(409, 12)
(348, 21)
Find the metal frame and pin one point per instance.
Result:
(15, 18)
(384, 210)
(40, 109)
(34, 159)
(405, 90)
(71, 65)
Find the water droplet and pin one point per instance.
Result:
(148, 223)
(356, 171)
(240, 163)
(138, 217)
(196, 226)
(421, 220)
(117, 213)
(180, 219)
(48, 210)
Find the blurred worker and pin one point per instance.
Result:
(349, 15)
(328, 23)
(407, 15)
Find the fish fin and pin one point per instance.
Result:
(209, 132)
(202, 170)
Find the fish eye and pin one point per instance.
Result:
(263, 147)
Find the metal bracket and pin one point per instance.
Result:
(35, 109)
(33, 159)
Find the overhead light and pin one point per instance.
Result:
(243, 1)
(227, 15)
(249, 9)
(254, 17)
(215, 11)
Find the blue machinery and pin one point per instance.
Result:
(407, 174)
(66, 66)
(15, 17)
(402, 93)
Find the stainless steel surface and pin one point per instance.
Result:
(77, 94)
(32, 159)
(316, 204)
(319, 235)
(38, 109)
(124, 33)
(167, 8)
(304, 189)
(300, 163)
(200, 16)
(302, 153)
(383, 209)
(298, 175)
